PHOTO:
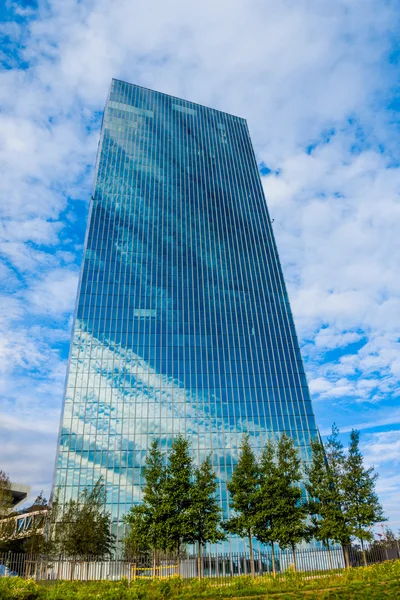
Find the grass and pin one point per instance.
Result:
(364, 583)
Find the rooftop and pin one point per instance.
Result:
(19, 493)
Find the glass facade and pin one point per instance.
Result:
(183, 323)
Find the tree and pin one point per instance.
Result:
(51, 527)
(387, 540)
(7, 524)
(178, 488)
(6, 499)
(84, 528)
(203, 517)
(389, 536)
(136, 541)
(264, 529)
(179, 504)
(148, 521)
(361, 503)
(324, 487)
(290, 512)
(243, 488)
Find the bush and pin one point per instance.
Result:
(14, 588)
(242, 582)
(360, 582)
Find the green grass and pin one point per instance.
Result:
(369, 583)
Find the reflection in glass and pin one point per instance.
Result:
(183, 323)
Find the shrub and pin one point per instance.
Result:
(382, 577)
(242, 582)
(14, 588)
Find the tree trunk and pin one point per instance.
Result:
(329, 555)
(199, 561)
(178, 561)
(72, 570)
(252, 570)
(273, 559)
(364, 554)
(294, 557)
(345, 549)
(154, 562)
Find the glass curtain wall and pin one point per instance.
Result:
(183, 323)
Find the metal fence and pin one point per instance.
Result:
(221, 566)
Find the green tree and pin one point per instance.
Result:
(6, 499)
(8, 540)
(51, 527)
(389, 536)
(148, 522)
(324, 486)
(269, 486)
(84, 528)
(361, 503)
(137, 540)
(243, 489)
(178, 490)
(179, 504)
(203, 517)
(290, 511)
(387, 540)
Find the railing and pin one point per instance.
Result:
(21, 525)
(219, 566)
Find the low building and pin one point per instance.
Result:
(19, 493)
(23, 522)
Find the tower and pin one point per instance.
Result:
(182, 322)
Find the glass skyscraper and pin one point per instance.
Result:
(183, 323)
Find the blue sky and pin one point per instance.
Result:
(318, 83)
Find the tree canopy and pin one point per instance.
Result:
(243, 488)
(84, 527)
(291, 511)
(343, 501)
(178, 493)
(6, 500)
(148, 521)
(324, 486)
(203, 518)
(361, 504)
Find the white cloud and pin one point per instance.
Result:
(383, 447)
(320, 385)
(335, 219)
(35, 230)
(329, 338)
(54, 294)
(382, 451)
